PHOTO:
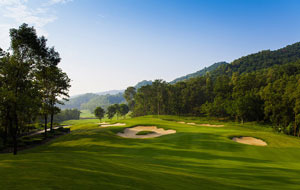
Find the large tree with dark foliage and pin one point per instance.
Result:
(26, 79)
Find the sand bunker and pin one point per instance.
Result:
(103, 123)
(132, 132)
(209, 125)
(191, 123)
(205, 125)
(250, 141)
(111, 125)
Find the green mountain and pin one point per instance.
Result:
(76, 101)
(261, 60)
(102, 100)
(202, 72)
(111, 92)
(143, 83)
(90, 101)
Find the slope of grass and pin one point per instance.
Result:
(195, 157)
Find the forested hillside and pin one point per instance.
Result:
(261, 87)
(200, 73)
(143, 83)
(261, 60)
(103, 101)
(76, 102)
(90, 101)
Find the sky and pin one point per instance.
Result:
(113, 44)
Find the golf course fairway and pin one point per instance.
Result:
(195, 157)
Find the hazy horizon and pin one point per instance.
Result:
(110, 45)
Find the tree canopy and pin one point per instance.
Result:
(31, 82)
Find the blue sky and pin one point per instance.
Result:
(112, 44)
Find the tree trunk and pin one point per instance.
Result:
(46, 117)
(6, 129)
(295, 126)
(5, 134)
(15, 134)
(51, 122)
(15, 143)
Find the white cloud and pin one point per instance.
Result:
(16, 12)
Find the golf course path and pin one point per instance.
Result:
(42, 131)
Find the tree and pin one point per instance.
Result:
(117, 110)
(129, 97)
(53, 82)
(27, 75)
(99, 113)
(59, 88)
(19, 74)
(111, 111)
(124, 109)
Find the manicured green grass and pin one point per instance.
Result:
(86, 114)
(195, 157)
(144, 132)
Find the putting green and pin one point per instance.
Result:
(195, 157)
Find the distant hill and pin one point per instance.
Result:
(110, 92)
(76, 101)
(201, 72)
(143, 83)
(90, 101)
(102, 100)
(261, 60)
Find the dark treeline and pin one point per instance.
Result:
(67, 114)
(31, 84)
(111, 111)
(266, 90)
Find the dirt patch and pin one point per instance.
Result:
(112, 125)
(209, 125)
(157, 132)
(250, 141)
(181, 122)
(191, 123)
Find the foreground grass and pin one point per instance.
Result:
(194, 158)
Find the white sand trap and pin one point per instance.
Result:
(250, 141)
(112, 125)
(103, 123)
(157, 132)
(209, 125)
(181, 122)
(191, 123)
